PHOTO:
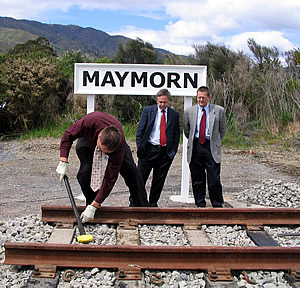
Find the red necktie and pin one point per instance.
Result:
(202, 128)
(163, 125)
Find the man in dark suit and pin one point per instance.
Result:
(157, 141)
(204, 148)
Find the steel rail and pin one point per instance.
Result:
(155, 257)
(179, 216)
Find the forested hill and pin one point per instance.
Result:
(63, 37)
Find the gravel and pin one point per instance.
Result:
(224, 235)
(285, 236)
(21, 229)
(263, 279)
(31, 229)
(29, 180)
(271, 193)
(162, 235)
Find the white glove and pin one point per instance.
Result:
(62, 169)
(88, 214)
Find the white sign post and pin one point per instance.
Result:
(142, 79)
(90, 103)
(185, 170)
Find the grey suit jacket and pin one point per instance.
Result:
(217, 128)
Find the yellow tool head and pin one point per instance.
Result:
(85, 238)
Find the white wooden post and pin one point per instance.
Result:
(185, 173)
(90, 103)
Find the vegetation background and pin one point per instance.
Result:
(260, 93)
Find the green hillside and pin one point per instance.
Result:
(63, 37)
(9, 38)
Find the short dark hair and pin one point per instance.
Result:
(163, 92)
(203, 89)
(110, 137)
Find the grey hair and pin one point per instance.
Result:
(163, 92)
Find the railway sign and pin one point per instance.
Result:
(137, 79)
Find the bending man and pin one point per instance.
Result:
(99, 130)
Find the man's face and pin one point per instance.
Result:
(202, 98)
(163, 102)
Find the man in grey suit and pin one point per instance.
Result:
(204, 147)
(157, 140)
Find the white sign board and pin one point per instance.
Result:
(138, 79)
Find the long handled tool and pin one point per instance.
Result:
(83, 237)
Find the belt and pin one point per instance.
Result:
(197, 140)
(157, 146)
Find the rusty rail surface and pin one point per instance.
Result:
(179, 216)
(156, 257)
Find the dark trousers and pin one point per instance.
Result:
(203, 167)
(155, 158)
(128, 170)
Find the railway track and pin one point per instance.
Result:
(130, 259)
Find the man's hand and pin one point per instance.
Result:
(62, 169)
(88, 214)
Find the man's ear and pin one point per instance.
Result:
(99, 134)
(98, 139)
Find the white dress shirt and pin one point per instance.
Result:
(154, 138)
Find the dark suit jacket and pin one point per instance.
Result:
(146, 125)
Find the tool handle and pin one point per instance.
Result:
(79, 223)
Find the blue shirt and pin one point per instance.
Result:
(199, 116)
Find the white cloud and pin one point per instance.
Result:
(30, 8)
(159, 39)
(229, 22)
(223, 22)
(265, 38)
(136, 5)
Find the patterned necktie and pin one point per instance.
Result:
(163, 125)
(96, 169)
(202, 128)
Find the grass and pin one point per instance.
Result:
(130, 131)
(283, 140)
(233, 139)
(55, 130)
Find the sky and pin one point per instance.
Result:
(174, 25)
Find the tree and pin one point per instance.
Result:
(33, 88)
(254, 91)
(297, 56)
(267, 58)
(173, 59)
(31, 79)
(136, 51)
(293, 58)
(103, 60)
(39, 45)
(128, 108)
(67, 60)
(217, 58)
